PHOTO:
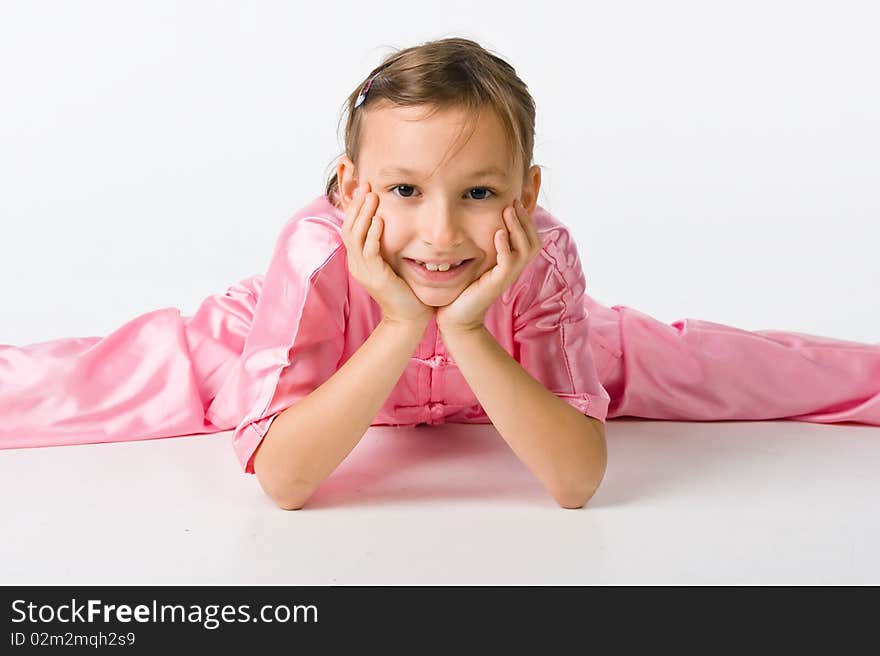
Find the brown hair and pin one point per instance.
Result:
(446, 73)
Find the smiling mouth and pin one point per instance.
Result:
(435, 267)
(438, 275)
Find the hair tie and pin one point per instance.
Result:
(363, 94)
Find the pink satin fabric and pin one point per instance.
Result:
(269, 340)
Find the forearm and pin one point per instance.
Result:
(565, 449)
(309, 439)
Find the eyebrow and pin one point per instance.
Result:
(488, 172)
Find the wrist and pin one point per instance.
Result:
(419, 324)
(468, 329)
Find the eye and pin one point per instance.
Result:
(405, 186)
(401, 187)
(482, 189)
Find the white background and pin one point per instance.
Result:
(715, 160)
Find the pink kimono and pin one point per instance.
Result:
(268, 341)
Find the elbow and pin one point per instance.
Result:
(285, 492)
(572, 500)
(293, 504)
(582, 485)
(293, 499)
(577, 496)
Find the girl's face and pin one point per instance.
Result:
(436, 208)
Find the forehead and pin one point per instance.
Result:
(416, 139)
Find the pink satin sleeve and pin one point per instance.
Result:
(297, 336)
(550, 334)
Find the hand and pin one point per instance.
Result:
(516, 245)
(360, 232)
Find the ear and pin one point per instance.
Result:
(346, 177)
(531, 187)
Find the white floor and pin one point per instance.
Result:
(682, 503)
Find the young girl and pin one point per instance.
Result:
(426, 285)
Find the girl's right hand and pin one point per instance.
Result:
(360, 232)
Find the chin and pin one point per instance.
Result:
(436, 296)
(436, 303)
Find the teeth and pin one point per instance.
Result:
(439, 267)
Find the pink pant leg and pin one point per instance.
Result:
(695, 370)
(152, 377)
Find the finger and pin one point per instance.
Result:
(502, 246)
(362, 221)
(518, 238)
(529, 225)
(351, 213)
(357, 199)
(525, 242)
(371, 247)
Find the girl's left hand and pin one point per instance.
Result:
(516, 245)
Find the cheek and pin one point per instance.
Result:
(487, 238)
(393, 238)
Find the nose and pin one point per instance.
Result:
(440, 227)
